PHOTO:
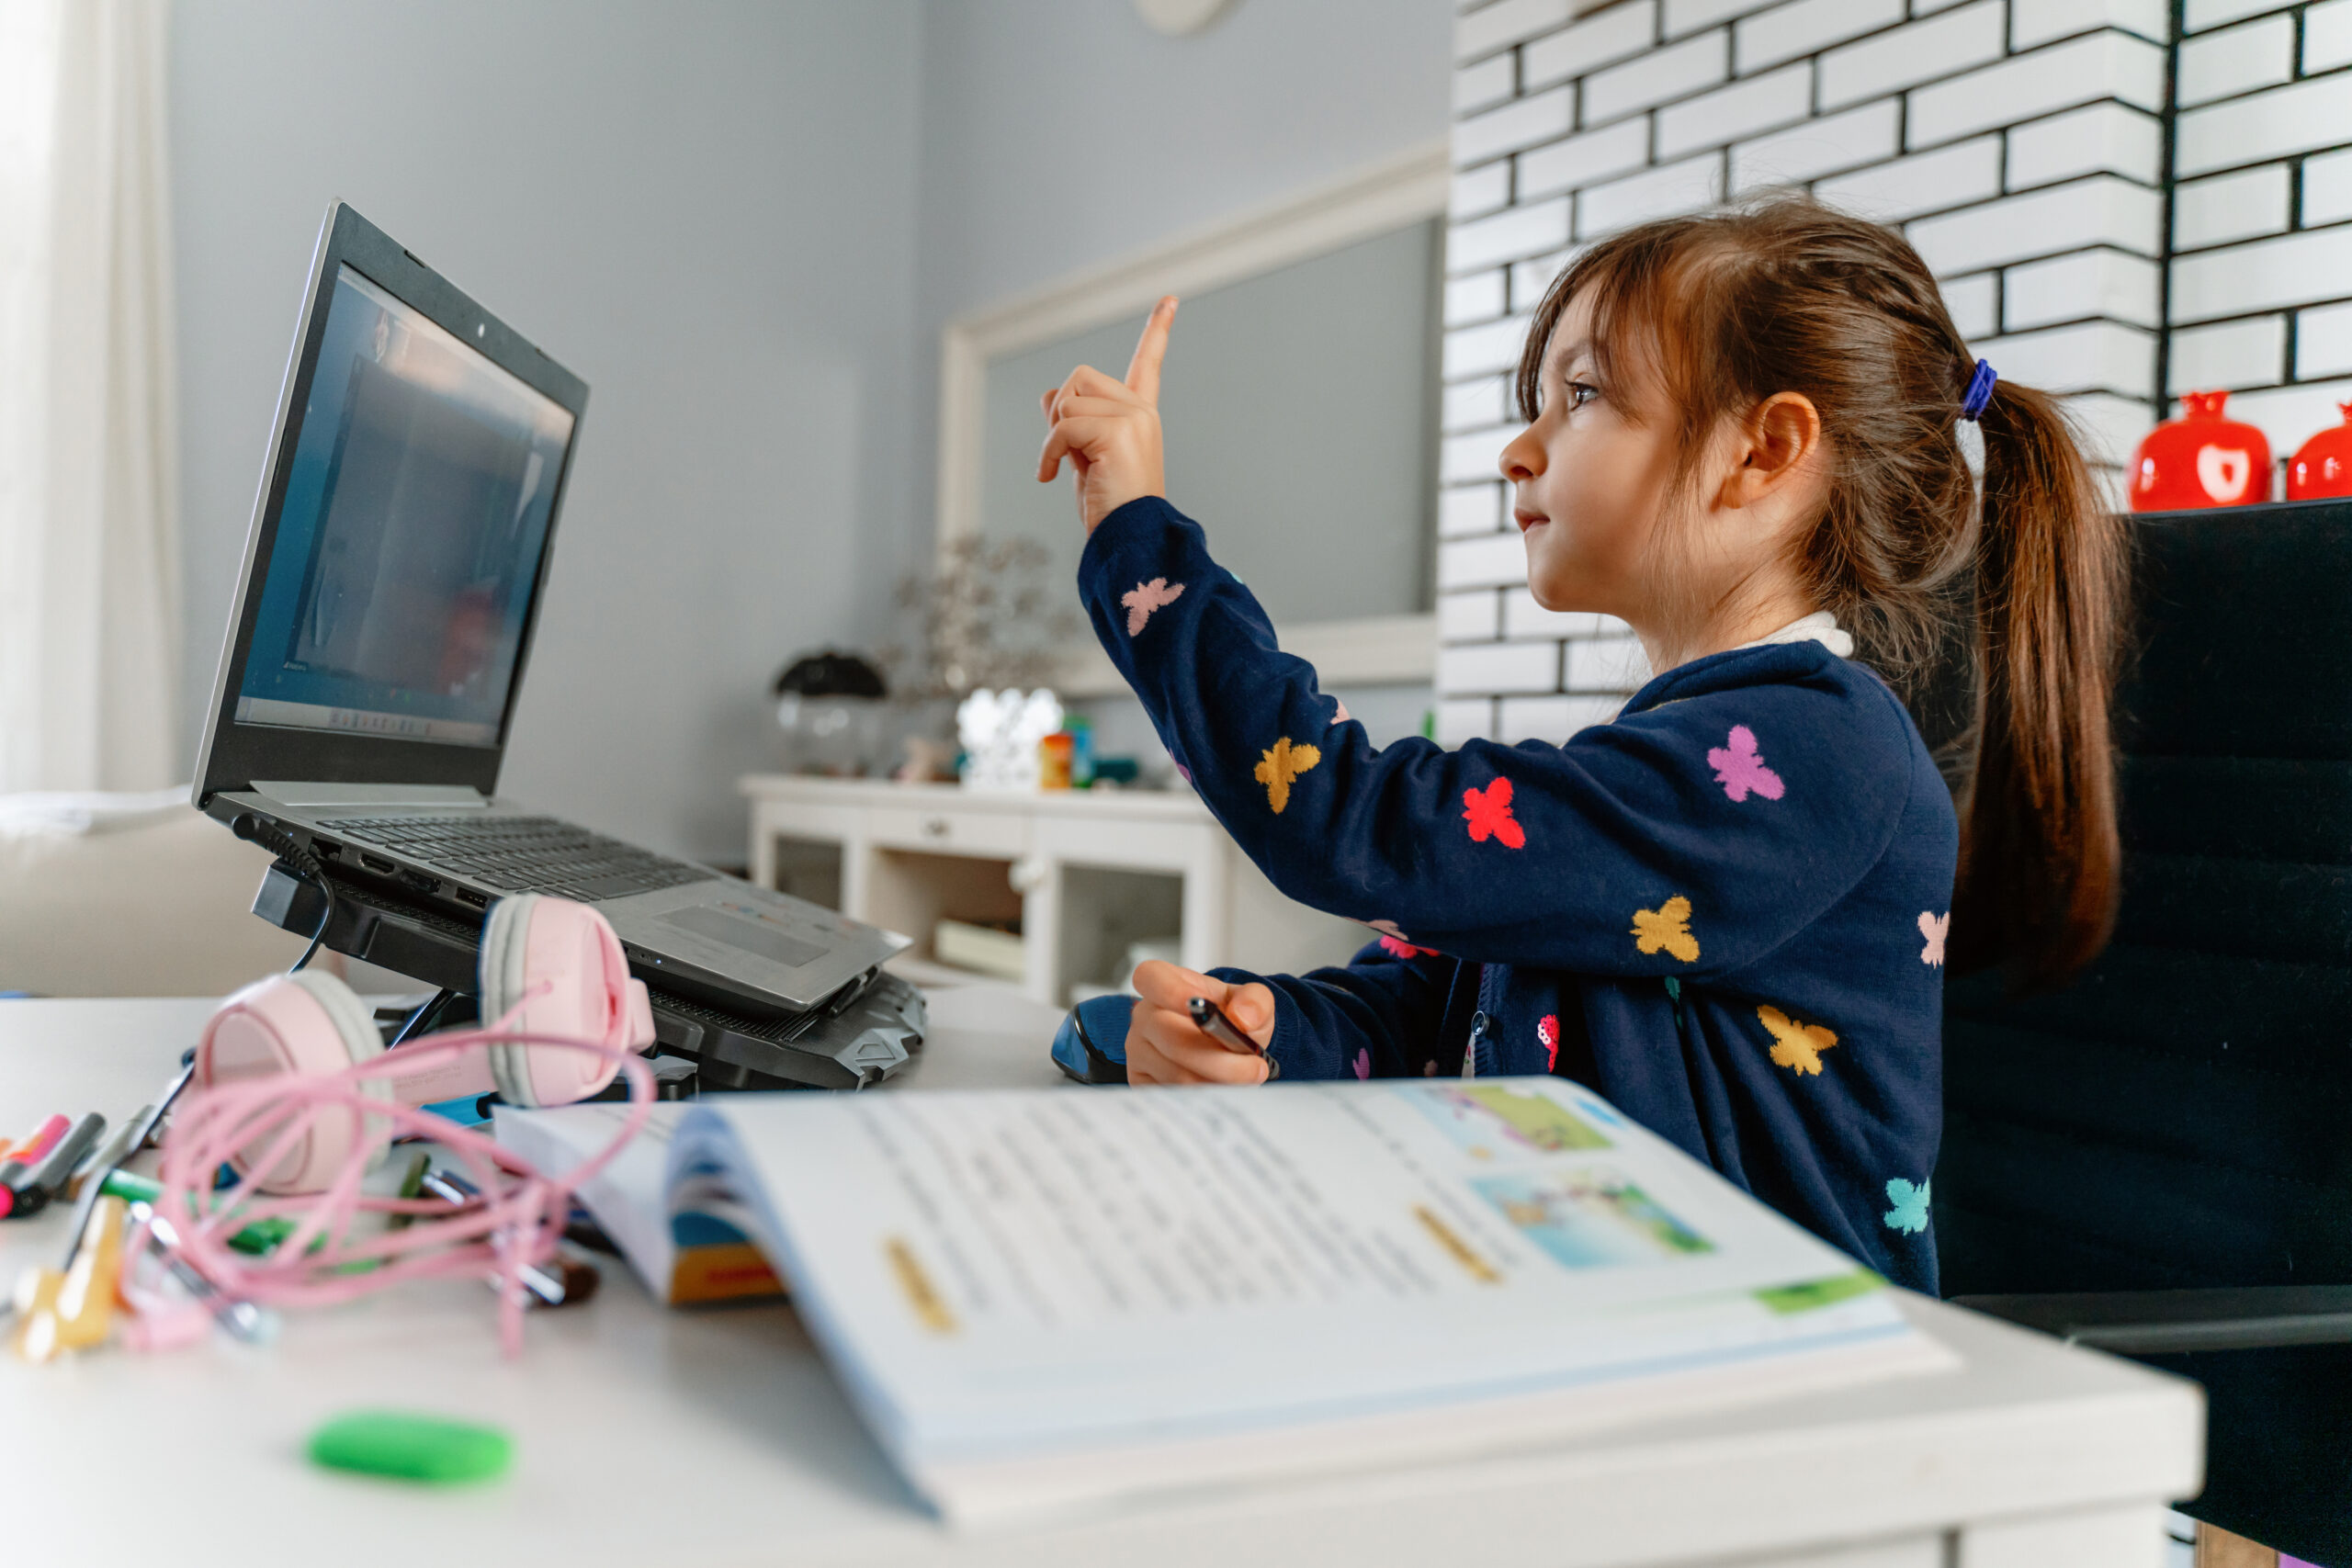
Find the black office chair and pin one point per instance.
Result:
(2157, 1159)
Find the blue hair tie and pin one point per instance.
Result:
(1980, 392)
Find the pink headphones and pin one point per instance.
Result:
(294, 1088)
(550, 968)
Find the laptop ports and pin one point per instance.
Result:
(478, 900)
(378, 864)
(418, 882)
(326, 848)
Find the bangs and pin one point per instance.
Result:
(1658, 295)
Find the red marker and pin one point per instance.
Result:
(43, 1139)
(21, 1162)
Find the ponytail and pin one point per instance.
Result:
(2039, 860)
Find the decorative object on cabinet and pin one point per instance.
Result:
(1000, 732)
(2201, 460)
(985, 620)
(831, 708)
(2321, 466)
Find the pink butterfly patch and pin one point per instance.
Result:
(1934, 928)
(1547, 1035)
(1489, 815)
(1363, 1064)
(1145, 597)
(1739, 769)
(1395, 943)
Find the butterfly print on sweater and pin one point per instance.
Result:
(1934, 928)
(1666, 929)
(1795, 1045)
(1145, 597)
(1488, 814)
(1741, 770)
(1278, 767)
(1910, 1212)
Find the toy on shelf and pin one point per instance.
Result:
(2323, 466)
(2201, 460)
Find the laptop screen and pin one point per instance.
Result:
(417, 506)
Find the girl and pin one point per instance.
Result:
(1729, 910)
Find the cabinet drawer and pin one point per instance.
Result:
(950, 832)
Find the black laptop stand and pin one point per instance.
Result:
(855, 1040)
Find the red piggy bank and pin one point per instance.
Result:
(2323, 466)
(2201, 460)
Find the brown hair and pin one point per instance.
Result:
(1728, 307)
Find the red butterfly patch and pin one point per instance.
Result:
(1547, 1035)
(1489, 816)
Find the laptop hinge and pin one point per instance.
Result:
(445, 796)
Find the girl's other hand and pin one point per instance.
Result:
(1110, 430)
(1163, 1045)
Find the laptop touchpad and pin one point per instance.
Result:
(759, 938)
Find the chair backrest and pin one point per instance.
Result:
(2181, 1115)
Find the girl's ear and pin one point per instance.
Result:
(1773, 448)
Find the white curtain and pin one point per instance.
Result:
(89, 527)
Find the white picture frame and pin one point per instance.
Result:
(1409, 188)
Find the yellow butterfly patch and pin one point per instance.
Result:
(1795, 1044)
(1666, 929)
(1278, 767)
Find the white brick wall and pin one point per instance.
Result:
(2262, 221)
(2022, 143)
(2019, 140)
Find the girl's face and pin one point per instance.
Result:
(1590, 478)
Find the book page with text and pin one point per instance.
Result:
(1005, 1272)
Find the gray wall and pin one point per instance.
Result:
(706, 210)
(1061, 134)
(1301, 421)
(744, 225)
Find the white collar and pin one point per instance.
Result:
(1821, 626)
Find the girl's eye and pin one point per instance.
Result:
(1581, 393)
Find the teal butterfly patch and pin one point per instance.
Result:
(1910, 1210)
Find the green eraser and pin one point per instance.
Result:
(411, 1447)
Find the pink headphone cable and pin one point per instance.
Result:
(514, 1225)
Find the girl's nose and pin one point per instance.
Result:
(1523, 458)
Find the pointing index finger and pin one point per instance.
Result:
(1143, 370)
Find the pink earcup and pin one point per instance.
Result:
(563, 963)
(308, 1024)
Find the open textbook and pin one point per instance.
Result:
(1047, 1300)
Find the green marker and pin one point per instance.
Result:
(258, 1238)
(410, 1447)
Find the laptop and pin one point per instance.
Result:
(376, 651)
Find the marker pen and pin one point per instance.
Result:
(257, 1238)
(39, 1140)
(31, 1194)
(112, 1153)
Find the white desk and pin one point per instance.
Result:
(717, 1438)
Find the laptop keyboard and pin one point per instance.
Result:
(523, 854)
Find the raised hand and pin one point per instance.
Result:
(1110, 430)
(1164, 1046)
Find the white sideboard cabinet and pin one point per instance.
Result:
(1085, 873)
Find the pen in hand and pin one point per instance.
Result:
(1210, 1020)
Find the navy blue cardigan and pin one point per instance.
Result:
(1724, 911)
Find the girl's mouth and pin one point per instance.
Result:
(1526, 519)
